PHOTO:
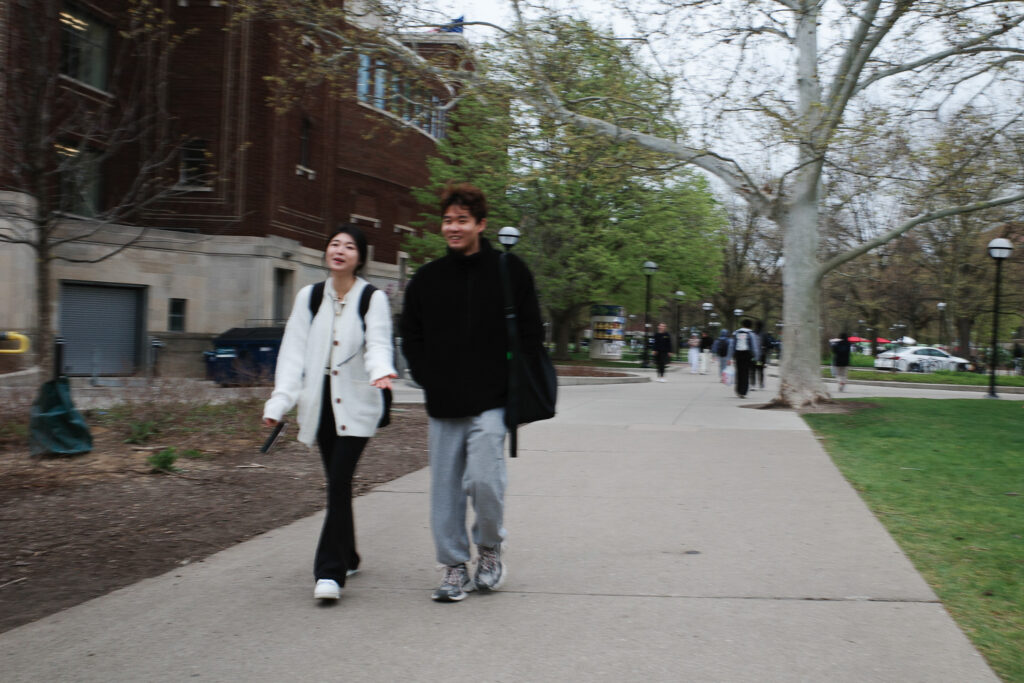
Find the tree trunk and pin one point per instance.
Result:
(43, 351)
(561, 323)
(800, 366)
(963, 340)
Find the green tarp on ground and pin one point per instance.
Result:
(55, 427)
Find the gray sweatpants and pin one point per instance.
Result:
(467, 459)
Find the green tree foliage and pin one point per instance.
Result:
(591, 210)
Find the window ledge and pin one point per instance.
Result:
(182, 187)
(406, 123)
(306, 171)
(85, 86)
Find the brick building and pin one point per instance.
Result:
(255, 190)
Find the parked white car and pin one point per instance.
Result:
(919, 359)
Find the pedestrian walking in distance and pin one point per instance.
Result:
(721, 349)
(706, 342)
(455, 341)
(761, 359)
(841, 358)
(662, 343)
(333, 362)
(743, 349)
(693, 353)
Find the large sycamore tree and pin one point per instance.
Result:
(776, 96)
(812, 80)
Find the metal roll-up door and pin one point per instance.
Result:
(101, 326)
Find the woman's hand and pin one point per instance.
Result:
(269, 422)
(383, 382)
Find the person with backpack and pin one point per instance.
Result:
(336, 357)
(721, 349)
(743, 349)
(759, 361)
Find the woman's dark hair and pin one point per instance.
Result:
(357, 235)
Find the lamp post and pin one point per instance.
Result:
(942, 322)
(737, 312)
(680, 295)
(999, 249)
(706, 307)
(650, 268)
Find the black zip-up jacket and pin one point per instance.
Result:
(453, 330)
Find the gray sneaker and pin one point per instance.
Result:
(454, 585)
(490, 569)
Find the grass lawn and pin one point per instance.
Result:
(946, 477)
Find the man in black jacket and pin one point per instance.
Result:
(454, 339)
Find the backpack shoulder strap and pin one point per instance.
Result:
(316, 295)
(364, 302)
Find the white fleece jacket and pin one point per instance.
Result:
(305, 349)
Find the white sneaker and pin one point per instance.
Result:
(327, 589)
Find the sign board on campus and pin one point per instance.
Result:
(608, 327)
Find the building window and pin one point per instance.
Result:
(176, 315)
(80, 181)
(85, 47)
(363, 79)
(438, 118)
(380, 86)
(194, 164)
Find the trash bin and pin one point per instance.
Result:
(244, 356)
(55, 426)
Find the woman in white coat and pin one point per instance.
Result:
(334, 369)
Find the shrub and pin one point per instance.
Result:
(163, 461)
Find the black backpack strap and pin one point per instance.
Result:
(512, 329)
(364, 302)
(316, 295)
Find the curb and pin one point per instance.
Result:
(572, 380)
(918, 385)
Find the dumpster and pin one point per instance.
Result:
(244, 356)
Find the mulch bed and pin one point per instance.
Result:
(586, 371)
(75, 528)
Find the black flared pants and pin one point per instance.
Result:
(336, 551)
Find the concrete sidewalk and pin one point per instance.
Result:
(658, 532)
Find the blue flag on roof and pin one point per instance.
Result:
(455, 26)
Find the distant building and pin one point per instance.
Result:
(256, 190)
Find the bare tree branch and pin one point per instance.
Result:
(878, 241)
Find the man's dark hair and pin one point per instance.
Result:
(746, 322)
(357, 235)
(468, 196)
